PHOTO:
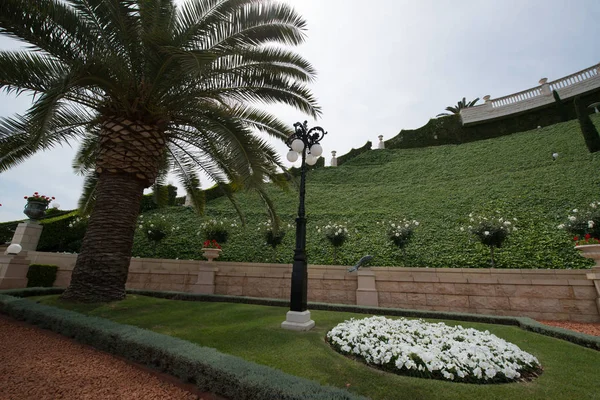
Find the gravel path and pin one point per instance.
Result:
(39, 364)
(590, 329)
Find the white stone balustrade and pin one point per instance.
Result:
(539, 96)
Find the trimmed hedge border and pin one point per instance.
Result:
(208, 369)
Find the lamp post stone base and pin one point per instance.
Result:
(298, 321)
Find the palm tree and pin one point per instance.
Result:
(459, 106)
(146, 85)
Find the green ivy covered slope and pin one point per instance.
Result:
(439, 187)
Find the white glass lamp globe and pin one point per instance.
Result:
(311, 160)
(298, 145)
(292, 156)
(316, 150)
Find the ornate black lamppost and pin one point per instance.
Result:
(304, 143)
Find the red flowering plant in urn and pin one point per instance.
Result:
(36, 205)
(211, 249)
(39, 198)
(585, 240)
(211, 244)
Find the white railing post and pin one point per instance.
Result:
(333, 159)
(545, 87)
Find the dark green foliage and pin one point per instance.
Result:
(588, 130)
(148, 203)
(210, 370)
(58, 236)
(7, 230)
(560, 107)
(172, 195)
(439, 131)
(53, 212)
(354, 153)
(274, 238)
(179, 201)
(41, 275)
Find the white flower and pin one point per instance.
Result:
(486, 233)
(561, 226)
(462, 229)
(572, 218)
(590, 224)
(456, 352)
(149, 231)
(574, 210)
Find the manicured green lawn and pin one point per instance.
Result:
(253, 333)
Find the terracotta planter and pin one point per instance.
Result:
(590, 251)
(211, 254)
(35, 209)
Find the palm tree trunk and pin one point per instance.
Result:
(128, 161)
(101, 270)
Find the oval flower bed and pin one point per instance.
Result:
(433, 350)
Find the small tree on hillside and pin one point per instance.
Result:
(588, 130)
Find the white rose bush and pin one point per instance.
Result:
(584, 224)
(218, 230)
(433, 350)
(491, 231)
(336, 234)
(273, 233)
(401, 232)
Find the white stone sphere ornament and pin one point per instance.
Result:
(14, 249)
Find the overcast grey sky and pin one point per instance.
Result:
(385, 65)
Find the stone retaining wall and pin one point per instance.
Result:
(541, 294)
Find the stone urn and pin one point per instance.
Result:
(210, 254)
(35, 209)
(590, 251)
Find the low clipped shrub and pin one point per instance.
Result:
(41, 275)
